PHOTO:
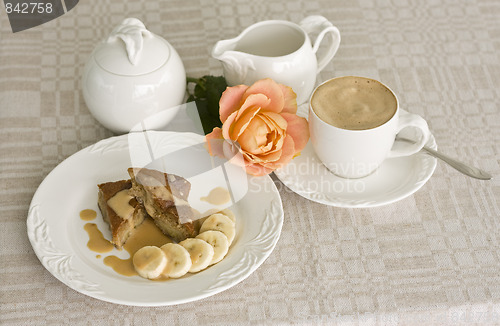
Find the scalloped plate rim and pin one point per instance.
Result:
(271, 196)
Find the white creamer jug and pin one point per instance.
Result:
(280, 50)
(133, 80)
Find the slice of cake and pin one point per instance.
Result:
(165, 198)
(120, 210)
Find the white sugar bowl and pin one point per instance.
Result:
(133, 80)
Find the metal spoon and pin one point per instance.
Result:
(459, 166)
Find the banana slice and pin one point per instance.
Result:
(229, 213)
(222, 223)
(149, 261)
(200, 251)
(178, 260)
(219, 241)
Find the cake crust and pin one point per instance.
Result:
(121, 226)
(164, 196)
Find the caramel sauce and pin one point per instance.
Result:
(88, 214)
(120, 203)
(97, 242)
(121, 266)
(217, 196)
(146, 234)
(161, 278)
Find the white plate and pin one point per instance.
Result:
(59, 240)
(394, 180)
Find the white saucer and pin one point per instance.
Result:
(394, 180)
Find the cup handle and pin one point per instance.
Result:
(321, 25)
(407, 119)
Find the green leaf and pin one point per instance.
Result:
(208, 121)
(206, 93)
(200, 89)
(215, 86)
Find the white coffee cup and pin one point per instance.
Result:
(358, 151)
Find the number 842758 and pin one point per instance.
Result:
(29, 8)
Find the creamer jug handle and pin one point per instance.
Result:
(322, 26)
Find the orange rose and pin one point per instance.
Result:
(260, 123)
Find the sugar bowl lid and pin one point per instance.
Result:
(132, 50)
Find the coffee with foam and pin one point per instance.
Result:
(354, 103)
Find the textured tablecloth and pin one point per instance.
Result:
(433, 257)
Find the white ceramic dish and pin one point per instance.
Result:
(280, 50)
(133, 79)
(395, 179)
(59, 240)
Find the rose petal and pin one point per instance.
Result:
(251, 102)
(277, 135)
(227, 126)
(233, 153)
(276, 119)
(272, 90)
(257, 170)
(272, 138)
(214, 142)
(254, 137)
(239, 125)
(230, 101)
(287, 153)
(290, 99)
(275, 143)
(298, 129)
(267, 157)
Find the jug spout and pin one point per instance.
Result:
(222, 47)
(236, 64)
